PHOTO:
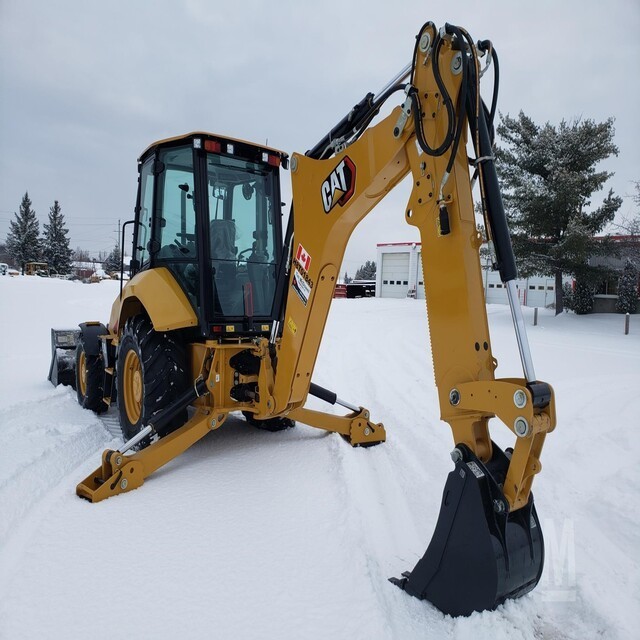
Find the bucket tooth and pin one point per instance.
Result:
(480, 553)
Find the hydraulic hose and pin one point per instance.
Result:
(446, 98)
(486, 45)
(351, 127)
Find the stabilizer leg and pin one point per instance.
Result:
(120, 473)
(356, 427)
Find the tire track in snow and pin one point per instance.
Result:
(376, 487)
(43, 441)
(111, 423)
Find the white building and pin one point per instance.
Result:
(399, 270)
(539, 291)
(399, 275)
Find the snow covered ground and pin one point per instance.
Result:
(294, 534)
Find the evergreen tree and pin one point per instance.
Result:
(112, 262)
(548, 176)
(56, 248)
(347, 279)
(567, 295)
(628, 289)
(5, 256)
(582, 302)
(23, 242)
(367, 271)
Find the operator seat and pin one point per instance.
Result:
(262, 277)
(228, 294)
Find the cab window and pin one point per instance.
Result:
(142, 234)
(242, 236)
(175, 232)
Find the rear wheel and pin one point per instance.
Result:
(89, 379)
(151, 373)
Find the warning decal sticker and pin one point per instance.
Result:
(301, 287)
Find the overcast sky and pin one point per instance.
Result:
(85, 86)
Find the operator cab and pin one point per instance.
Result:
(209, 210)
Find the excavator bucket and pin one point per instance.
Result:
(63, 357)
(480, 554)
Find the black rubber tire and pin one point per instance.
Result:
(270, 424)
(163, 372)
(93, 395)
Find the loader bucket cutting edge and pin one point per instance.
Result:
(480, 554)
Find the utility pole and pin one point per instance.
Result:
(118, 243)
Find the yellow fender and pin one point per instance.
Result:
(156, 292)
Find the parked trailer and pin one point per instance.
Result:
(361, 289)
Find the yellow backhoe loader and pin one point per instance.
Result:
(225, 310)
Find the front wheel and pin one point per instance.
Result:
(89, 379)
(151, 373)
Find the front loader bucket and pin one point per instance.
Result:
(63, 357)
(480, 554)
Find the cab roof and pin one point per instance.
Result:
(204, 134)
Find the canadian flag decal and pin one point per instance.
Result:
(303, 258)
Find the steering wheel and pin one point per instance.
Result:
(238, 259)
(182, 248)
